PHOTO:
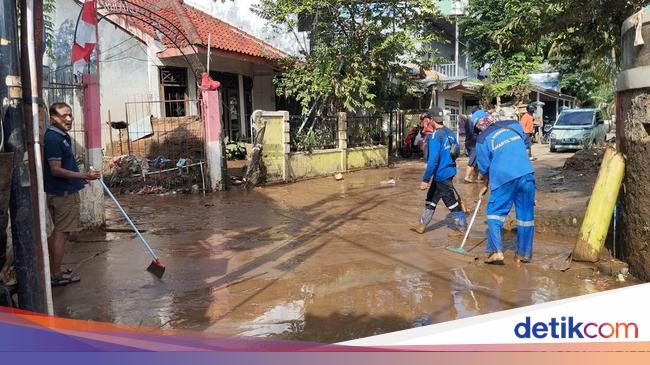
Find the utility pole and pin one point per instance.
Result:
(30, 288)
(457, 50)
(31, 51)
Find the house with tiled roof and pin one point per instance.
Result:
(151, 54)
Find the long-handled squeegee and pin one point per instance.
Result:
(461, 249)
(156, 267)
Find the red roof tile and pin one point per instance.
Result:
(197, 25)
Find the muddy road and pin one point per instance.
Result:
(319, 260)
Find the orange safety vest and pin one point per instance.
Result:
(527, 122)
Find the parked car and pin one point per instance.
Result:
(578, 128)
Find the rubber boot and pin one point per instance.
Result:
(425, 219)
(460, 222)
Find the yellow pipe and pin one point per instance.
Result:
(601, 207)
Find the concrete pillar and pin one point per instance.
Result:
(92, 197)
(213, 139)
(286, 141)
(242, 107)
(342, 135)
(633, 138)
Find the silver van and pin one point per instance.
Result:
(578, 128)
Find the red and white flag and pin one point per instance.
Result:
(85, 37)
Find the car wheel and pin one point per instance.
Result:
(553, 148)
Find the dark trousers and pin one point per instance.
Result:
(443, 190)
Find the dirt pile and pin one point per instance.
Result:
(586, 162)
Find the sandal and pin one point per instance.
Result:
(521, 260)
(491, 260)
(64, 279)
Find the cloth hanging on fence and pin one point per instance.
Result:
(141, 128)
(638, 36)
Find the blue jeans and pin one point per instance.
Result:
(521, 193)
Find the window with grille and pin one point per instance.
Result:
(174, 84)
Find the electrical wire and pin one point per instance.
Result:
(122, 51)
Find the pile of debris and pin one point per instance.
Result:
(585, 162)
(162, 176)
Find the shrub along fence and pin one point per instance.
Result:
(290, 155)
(320, 135)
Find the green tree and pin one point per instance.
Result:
(49, 7)
(358, 50)
(494, 42)
(578, 38)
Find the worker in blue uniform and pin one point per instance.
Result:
(502, 156)
(439, 174)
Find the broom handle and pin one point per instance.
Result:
(471, 223)
(119, 207)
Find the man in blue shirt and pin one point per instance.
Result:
(62, 181)
(502, 157)
(439, 174)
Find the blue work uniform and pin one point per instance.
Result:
(440, 171)
(501, 152)
(440, 165)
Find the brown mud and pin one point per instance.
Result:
(635, 145)
(320, 260)
(586, 162)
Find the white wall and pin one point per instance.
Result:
(129, 70)
(127, 67)
(125, 72)
(448, 50)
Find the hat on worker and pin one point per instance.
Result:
(437, 114)
(486, 121)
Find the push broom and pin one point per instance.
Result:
(156, 267)
(461, 249)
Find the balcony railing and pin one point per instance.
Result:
(449, 70)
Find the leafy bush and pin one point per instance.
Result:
(235, 150)
(321, 136)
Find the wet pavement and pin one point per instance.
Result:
(318, 260)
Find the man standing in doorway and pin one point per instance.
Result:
(502, 159)
(439, 174)
(62, 181)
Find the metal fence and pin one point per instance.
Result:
(60, 86)
(146, 134)
(366, 131)
(317, 136)
(155, 154)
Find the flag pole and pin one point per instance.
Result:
(207, 64)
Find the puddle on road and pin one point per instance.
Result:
(300, 262)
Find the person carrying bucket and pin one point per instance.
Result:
(502, 157)
(438, 177)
